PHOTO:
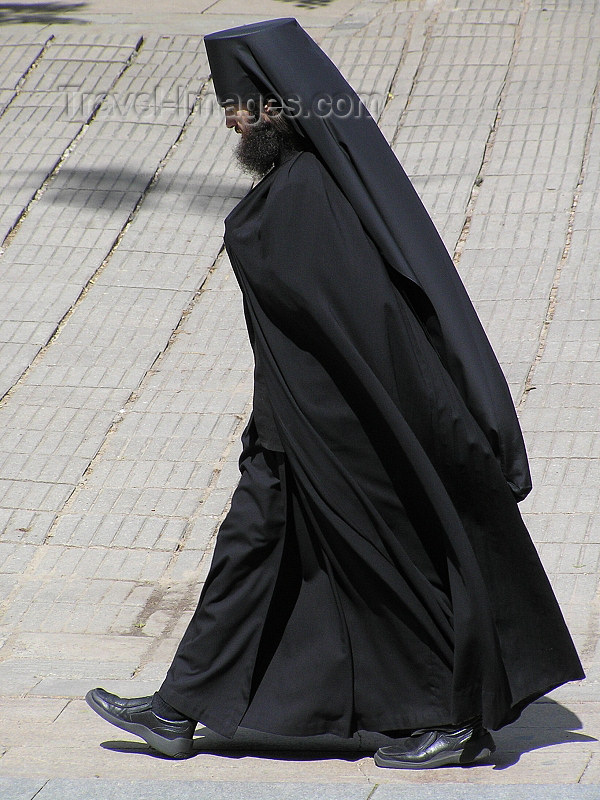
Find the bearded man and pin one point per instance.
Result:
(374, 572)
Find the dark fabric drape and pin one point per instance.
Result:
(399, 589)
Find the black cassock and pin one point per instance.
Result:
(375, 573)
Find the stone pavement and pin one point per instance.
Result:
(125, 372)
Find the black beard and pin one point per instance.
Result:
(261, 147)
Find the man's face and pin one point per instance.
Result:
(261, 143)
(239, 118)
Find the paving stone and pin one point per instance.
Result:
(20, 788)
(69, 649)
(16, 683)
(43, 710)
(522, 792)
(78, 687)
(123, 790)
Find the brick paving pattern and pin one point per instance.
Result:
(125, 371)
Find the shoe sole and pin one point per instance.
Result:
(175, 748)
(462, 758)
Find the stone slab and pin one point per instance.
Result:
(193, 790)
(507, 792)
(20, 788)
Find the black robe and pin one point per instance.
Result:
(435, 588)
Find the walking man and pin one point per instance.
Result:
(374, 572)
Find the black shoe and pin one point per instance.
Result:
(136, 716)
(437, 748)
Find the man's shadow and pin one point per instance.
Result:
(544, 723)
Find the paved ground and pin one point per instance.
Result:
(125, 371)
